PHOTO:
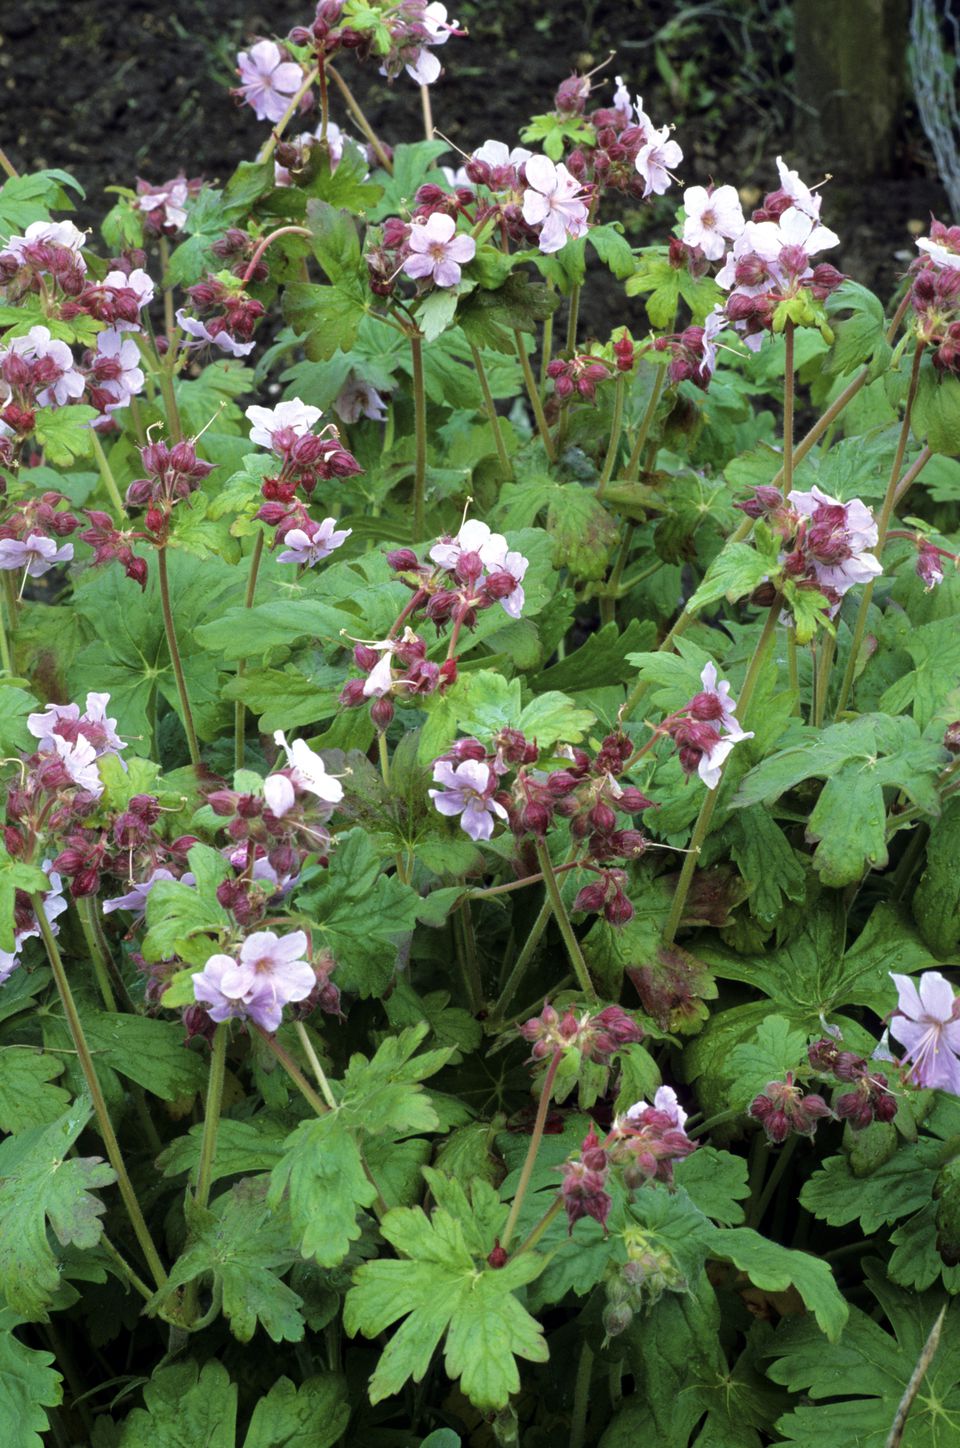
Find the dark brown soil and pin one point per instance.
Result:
(113, 89)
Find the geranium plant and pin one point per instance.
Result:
(478, 899)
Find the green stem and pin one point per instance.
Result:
(581, 1396)
(608, 600)
(168, 393)
(239, 709)
(563, 921)
(268, 147)
(793, 668)
(471, 965)
(773, 1181)
(420, 426)
(106, 474)
(491, 410)
(135, 1282)
(632, 470)
(825, 664)
(211, 1115)
(86, 905)
(546, 347)
(324, 101)
(534, 396)
(428, 130)
(175, 660)
(111, 1145)
(355, 110)
(702, 826)
(293, 1071)
(616, 428)
(883, 523)
(6, 657)
(911, 475)
(523, 960)
(573, 317)
(534, 1236)
(168, 317)
(384, 754)
(788, 400)
(315, 1065)
(530, 1159)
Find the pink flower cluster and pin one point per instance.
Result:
(25, 541)
(784, 1109)
(935, 295)
(706, 729)
(306, 459)
(164, 207)
(642, 1146)
(596, 1037)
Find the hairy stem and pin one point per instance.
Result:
(534, 396)
(883, 523)
(563, 921)
(428, 129)
(175, 660)
(573, 317)
(315, 1065)
(86, 907)
(523, 960)
(169, 322)
(702, 826)
(270, 144)
(211, 1115)
(581, 1396)
(616, 428)
(632, 470)
(420, 427)
(491, 410)
(111, 1145)
(355, 110)
(530, 1160)
(239, 709)
(106, 474)
(788, 401)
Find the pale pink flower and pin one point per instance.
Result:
(135, 900)
(279, 793)
(837, 541)
(712, 218)
(501, 158)
(655, 161)
(800, 194)
(165, 205)
(79, 759)
(58, 233)
(268, 79)
(473, 537)
(925, 1021)
(379, 681)
(716, 705)
(553, 201)
(437, 252)
(119, 357)
(939, 254)
(622, 103)
(36, 554)
(292, 416)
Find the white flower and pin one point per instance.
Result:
(800, 194)
(299, 417)
(554, 202)
(712, 217)
(308, 770)
(655, 160)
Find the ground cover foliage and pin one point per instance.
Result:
(477, 892)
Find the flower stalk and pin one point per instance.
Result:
(175, 660)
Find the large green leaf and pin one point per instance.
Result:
(41, 1185)
(28, 1385)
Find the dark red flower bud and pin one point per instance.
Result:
(381, 712)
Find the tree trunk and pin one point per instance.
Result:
(850, 80)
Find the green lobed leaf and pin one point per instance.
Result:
(41, 1185)
(26, 1097)
(184, 1407)
(28, 1385)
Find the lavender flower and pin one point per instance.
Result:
(468, 791)
(268, 79)
(927, 1022)
(230, 991)
(437, 252)
(281, 960)
(36, 554)
(357, 399)
(312, 543)
(202, 337)
(136, 897)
